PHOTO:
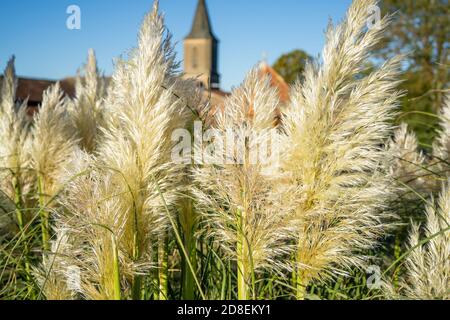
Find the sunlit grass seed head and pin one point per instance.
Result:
(144, 110)
(53, 140)
(335, 127)
(8, 86)
(409, 167)
(15, 140)
(87, 108)
(240, 209)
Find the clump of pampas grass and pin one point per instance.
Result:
(335, 127)
(418, 174)
(242, 213)
(118, 206)
(427, 265)
(94, 227)
(143, 112)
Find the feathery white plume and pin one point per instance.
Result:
(408, 165)
(335, 127)
(15, 142)
(53, 141)
(428, 264)
(87, 109)
(441, 147)
(236, 196)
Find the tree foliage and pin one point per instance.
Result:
(291, 65)
(421, 29)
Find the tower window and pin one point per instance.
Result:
(194, 58)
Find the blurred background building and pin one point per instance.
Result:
(200, 61)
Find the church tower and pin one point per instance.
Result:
(200, 50)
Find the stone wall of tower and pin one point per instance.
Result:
(200, 60)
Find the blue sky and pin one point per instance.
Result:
(35, 31)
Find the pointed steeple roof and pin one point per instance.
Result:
(201, 28)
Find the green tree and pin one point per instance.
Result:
(291, 65)
(420, 29)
